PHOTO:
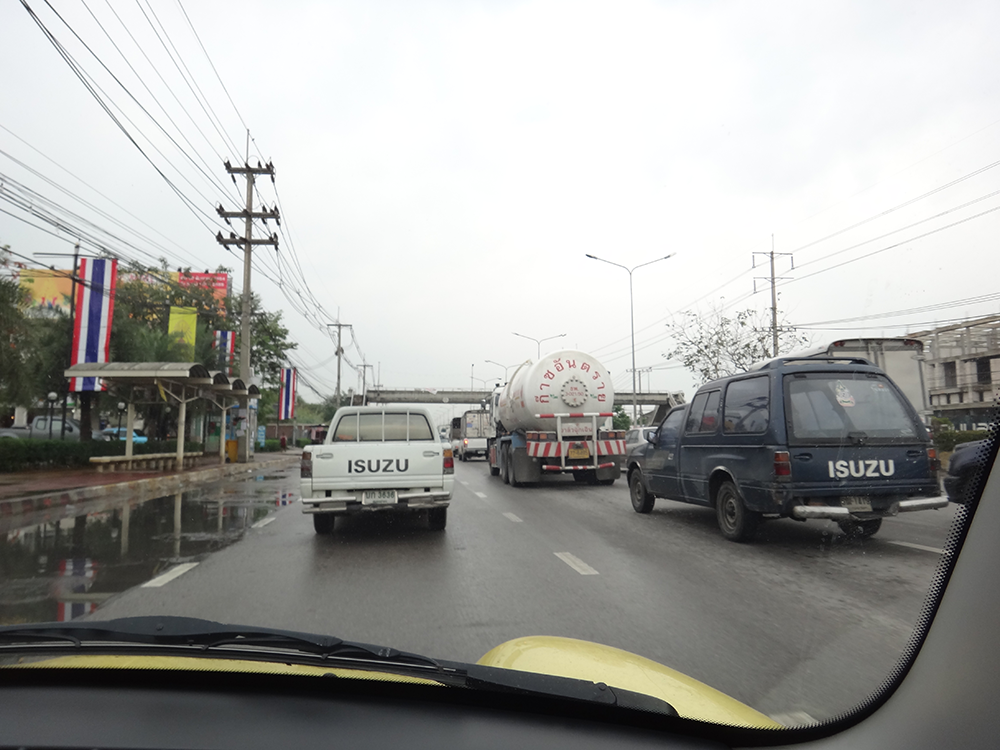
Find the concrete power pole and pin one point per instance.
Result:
(248, 242)
(774, 292)
(340, 353)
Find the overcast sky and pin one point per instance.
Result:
(444, 167)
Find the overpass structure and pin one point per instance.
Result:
(476, 398)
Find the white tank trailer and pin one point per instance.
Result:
(553, 416)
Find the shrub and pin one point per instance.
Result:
(947, 440)
(18, 454)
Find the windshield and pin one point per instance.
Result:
(227, 390)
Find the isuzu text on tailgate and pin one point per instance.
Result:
(378, 458)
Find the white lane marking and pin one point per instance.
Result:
(576, 564)
(794, 719)
(262, 522)
(513, 518)
(464, 482)
(481, 495)
(923, 547)
(174, 572)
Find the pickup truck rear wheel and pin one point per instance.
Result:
(437, 518)
(736, 523)
(642, 498)
(324, 522)
(861, 529)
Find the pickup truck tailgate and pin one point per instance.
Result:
(377, 465)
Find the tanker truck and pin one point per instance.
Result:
(554, 416)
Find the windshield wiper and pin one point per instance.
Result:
(201, 635)
(157, 635)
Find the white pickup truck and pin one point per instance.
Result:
(378, 458)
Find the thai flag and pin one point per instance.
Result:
(225, 342)
(93, 307)
(286, 394)
(82, 572)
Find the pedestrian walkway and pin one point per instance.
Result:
(25, 491)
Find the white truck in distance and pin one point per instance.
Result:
(554, 416)
(378, 459)
(474, 430)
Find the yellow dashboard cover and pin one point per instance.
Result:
(583, 660)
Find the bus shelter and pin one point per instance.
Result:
(175, 382)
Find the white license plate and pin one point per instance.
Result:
(378, 497)
(856, 504)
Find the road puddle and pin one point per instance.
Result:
(62, 563)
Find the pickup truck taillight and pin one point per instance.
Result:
(449, 461)
(306, 467)
(782, 464)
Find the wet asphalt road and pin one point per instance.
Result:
(803, 620)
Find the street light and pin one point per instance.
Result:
(631, 307)
(52, 397)
(121, 409)
(505, 367)
(539, 341)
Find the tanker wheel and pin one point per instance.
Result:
(514, 482)
(505, 465)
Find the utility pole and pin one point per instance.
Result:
(340, 353)
(774, 292)
(248, 242)
(364, 382)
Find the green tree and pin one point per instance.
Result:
(620, 420)
(715, 345)
(17, 374)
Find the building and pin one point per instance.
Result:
(962, 370)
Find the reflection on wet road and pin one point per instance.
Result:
(61, 563)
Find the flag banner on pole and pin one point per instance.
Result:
(183, 324)
(93, 308)
(225, 343)
(286, 394)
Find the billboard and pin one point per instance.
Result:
(217, 282)
(51, 290)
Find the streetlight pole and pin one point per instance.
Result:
(505, 367)
(52, 402)
(631, 308)
(538, 342)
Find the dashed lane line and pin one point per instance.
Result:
(911, 545)
(464, 482)
(481, 495)
(513, 518)
(576, 564)
(174, 572)
(262, 522)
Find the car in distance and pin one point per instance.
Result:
(793, 438)
(121, 433)
(378, 459)
(637, 436)
(966, 460)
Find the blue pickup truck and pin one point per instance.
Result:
(797, 438)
